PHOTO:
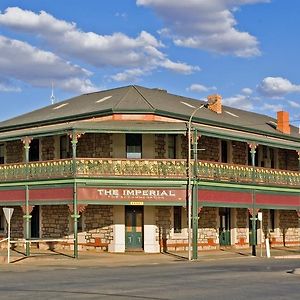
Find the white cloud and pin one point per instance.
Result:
(21, 61)
(272, 107)
(7, 86)
(208, 25)
(128, 75)
(116, 50)
(239, 101)
(199, 88)
(294, 104)
(276, 87)
(247, 91)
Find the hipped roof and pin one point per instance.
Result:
(140, 100)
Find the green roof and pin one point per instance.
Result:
(137, 99)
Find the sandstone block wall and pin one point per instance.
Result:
(242, 231)
(47, 148)
(160, 146)
(55, 221)
(17, 223)
(208, 232)
(95, 145)
(239, 153)
(14, 152)
(211, 148)
(98, 226)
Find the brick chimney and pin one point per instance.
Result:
(283, 123)
(215, 103)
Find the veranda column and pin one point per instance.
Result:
(195, 197)
(26, 141)
(254, 212)
(74, 140)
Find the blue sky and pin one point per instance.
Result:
(245, 50)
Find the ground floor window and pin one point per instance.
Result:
(2, 220)
(272, 220)
(177, 219)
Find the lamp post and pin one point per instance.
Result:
(190, 182)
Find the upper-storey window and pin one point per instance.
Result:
(171, 146)
(224, 151)
(34, 150)
(1, 153)
(133, 145)
(266, 157)
(64, 146)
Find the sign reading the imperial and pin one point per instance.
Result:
(131, 194)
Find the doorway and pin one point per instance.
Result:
(224, 230)
(35, 222)
(134, 221)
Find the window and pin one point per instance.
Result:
(1, 153)
(133, 145)
(224, 152)
(64, 146)
(80, 223)
(2, 220)
(272, 220)
(34, 150)
(171, 146)
(177, 219)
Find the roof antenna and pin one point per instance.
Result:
(52, 98)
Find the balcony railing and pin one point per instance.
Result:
(143, 168)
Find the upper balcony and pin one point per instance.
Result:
(146, 168)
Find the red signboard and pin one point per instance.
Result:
(131, 194)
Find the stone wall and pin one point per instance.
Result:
(163, 223)
(289, 233)
(242, 232)
(98, 221)
(55, 221)
(211, 148)
(184, 146)
(288, 160)
(95, 145)
(239, 153)
(207, 233)
(47, 148)
(160, 146)
(17, 223)
(14, 152)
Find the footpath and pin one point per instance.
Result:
(42, 258)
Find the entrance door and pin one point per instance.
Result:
(35, 222)
(224, 230)
(134, 227)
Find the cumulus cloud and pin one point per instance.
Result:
(128, 75)
(294, 104)
(239, 101)
(208, 25)
(247, 91)
(199, 88)
(116, 50)
(7, 86)
(21, 61)
(272, 107)
(277, 87)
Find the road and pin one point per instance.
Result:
(222, 279)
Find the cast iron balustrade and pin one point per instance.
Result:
(143, 168)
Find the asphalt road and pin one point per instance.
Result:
(226, 279)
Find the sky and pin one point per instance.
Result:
(245, 50)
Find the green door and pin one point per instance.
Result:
(224, 230)
(134, 227)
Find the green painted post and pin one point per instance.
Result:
(26, 141)
(74, 142)
(195, 200)
(253, 147)
(27, 218)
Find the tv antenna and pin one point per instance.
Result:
(52, 98)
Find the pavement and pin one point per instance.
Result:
(93, 258)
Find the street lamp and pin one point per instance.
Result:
(190, 182)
